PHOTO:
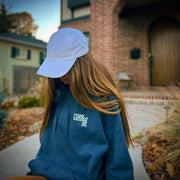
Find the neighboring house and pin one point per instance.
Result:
(20, 57)
(135, 38)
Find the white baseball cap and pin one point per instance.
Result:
(63, 48)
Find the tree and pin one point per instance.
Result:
(5, 20)
(20, 23)
(23, 23)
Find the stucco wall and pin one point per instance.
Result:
(7, 63)
(83, 11)
(65, 11)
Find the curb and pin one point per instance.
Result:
(136, 156)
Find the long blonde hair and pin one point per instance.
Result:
(91, 85)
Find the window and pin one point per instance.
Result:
(42, 57)
(21, 53)
(88, 38)
(29, 54)
(72, 4)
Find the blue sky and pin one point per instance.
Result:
(46, 14)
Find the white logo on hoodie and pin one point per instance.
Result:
(82, 118)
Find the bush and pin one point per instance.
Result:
(26, 102)
(7, 105)
(3, 114)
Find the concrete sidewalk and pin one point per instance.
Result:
(14, 159)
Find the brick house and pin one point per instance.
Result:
(137, 38)
(20, 57)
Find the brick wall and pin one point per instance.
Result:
(113, 36)
(83, 25)
(104, 17)
(132, 32)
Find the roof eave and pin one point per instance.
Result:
(22, 42)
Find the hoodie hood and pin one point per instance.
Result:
(62, 92)
(60, 85)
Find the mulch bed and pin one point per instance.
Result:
(161, 158)
(161, 153)
(20, 123)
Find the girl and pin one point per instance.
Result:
(85, 133)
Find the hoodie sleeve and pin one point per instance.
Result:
(118, 164)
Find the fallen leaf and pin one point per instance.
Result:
(11, 141)
(152, 167)
(170, 169)
(20, 138)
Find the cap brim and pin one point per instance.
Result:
(55, 69)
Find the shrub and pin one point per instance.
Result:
(26, 102)
(3, 114)
(7, 105)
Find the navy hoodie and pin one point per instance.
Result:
(82, 144)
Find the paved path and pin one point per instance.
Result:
(143, 116)
(14, 159)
